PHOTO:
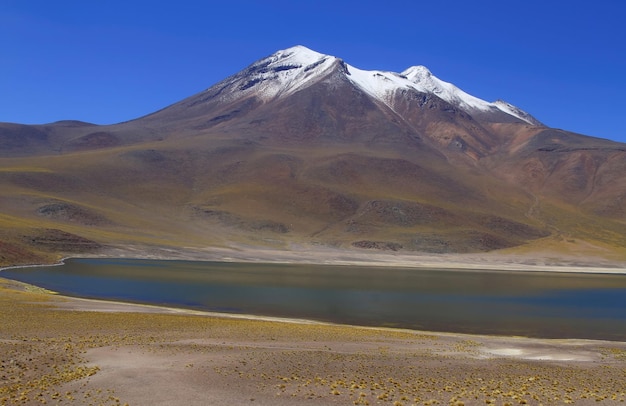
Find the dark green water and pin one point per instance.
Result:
(485, 302)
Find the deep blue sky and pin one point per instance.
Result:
(111, 61)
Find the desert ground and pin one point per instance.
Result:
(61, 350)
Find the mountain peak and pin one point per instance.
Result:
(293, 69)
(416, 73)
(424, 79)
(279, 74)
(298, 54)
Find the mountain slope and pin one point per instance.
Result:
(301, 147)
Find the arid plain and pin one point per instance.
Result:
(59, 350)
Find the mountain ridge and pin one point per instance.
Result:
(297, 66)
(302, 148)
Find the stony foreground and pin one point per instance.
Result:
(56, 350)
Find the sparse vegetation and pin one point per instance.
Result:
(191, 193)
(46, 357)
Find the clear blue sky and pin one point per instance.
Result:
(111, 61)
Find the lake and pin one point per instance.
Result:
(535, 304)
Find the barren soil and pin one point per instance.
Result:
(59, 350)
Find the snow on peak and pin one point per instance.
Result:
(417, 73)
(282, 73)
(424, 79)
(292, 69)
(379, 84)
(383, 85)
(516, 112)
(298, 54)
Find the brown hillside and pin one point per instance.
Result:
(327, 164)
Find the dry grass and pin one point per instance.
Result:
(147, 194)
(52, 356)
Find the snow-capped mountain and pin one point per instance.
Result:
(301, 147)
(300, 95)
(288, 71)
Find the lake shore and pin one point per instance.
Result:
(94, 352)
(444, 299)
(308, 254)
(103, 352)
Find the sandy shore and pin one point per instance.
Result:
(59, 350)
(307, 254)
(335, 256)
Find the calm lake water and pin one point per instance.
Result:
(533, 304)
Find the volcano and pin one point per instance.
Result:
(303, 148)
